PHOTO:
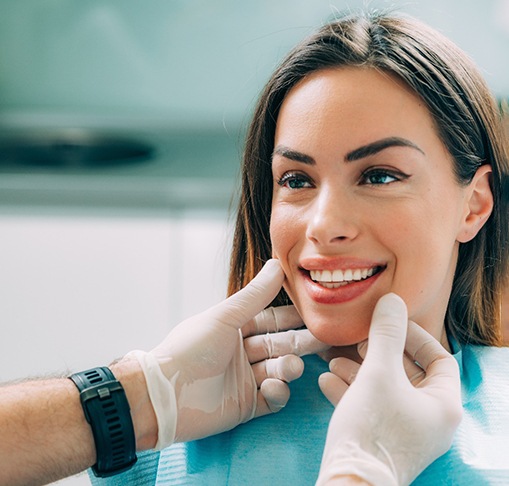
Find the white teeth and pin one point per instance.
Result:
(333, 285)
(338, 278)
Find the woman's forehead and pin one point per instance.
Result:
(355, 104)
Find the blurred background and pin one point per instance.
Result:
(121, 126)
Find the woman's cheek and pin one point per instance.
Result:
(277, 232)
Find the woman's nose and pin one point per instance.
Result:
(332, 219)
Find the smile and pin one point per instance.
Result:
(333, 279)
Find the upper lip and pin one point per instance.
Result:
(338, 263)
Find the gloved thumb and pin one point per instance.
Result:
(242, 306)
(388, 329)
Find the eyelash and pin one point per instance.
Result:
(290, 177)
(378, 171)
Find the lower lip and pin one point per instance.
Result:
(323, 295)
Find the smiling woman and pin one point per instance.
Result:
(374, 164)
(410, 111)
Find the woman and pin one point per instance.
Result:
(373, 164)
(467, 122)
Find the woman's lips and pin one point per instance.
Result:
(336, 286)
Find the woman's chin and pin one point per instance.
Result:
(339, 335)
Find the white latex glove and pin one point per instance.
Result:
(202, 380)
(384, 429)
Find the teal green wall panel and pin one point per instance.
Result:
(195, 61)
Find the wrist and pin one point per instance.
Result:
(129, 373)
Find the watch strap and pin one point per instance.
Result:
(107, 411)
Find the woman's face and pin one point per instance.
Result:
(364, 203)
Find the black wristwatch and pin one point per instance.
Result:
(107, 411)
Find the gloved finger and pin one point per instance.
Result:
(413, 371)
(273, 319)
(300, 342)
(388, 330)
(437, 363)
(242, 306)
(332, 386)
(362, 348)
(422, 346)
(272, 397)
(442, 371)
(345, 368)
(285, 368)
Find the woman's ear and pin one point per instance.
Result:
(478, 204)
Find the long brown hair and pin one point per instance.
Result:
(468, 123)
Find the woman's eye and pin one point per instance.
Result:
(378, 177)
(293, 180)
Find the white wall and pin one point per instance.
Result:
(80, 290)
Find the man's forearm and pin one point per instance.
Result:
(44, 435)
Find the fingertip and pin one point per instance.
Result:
(286, 368)
(388, 326)
(276, 393)
(362, 348)
(338, 364)
(391, 304)
(295, 367)
(424, 348)
(245, 304)
(332, 387)
(272, 265)
(333, 364)
(269, 279)
(272, 261)
(323, 381)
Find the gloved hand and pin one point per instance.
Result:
(384, 429)
(202, 381)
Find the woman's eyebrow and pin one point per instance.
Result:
(375, 147)
(288, 153)
(357, 154)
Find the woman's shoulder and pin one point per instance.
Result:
(481, 444)
(485, 378)
(490, 359)
(483, 363)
